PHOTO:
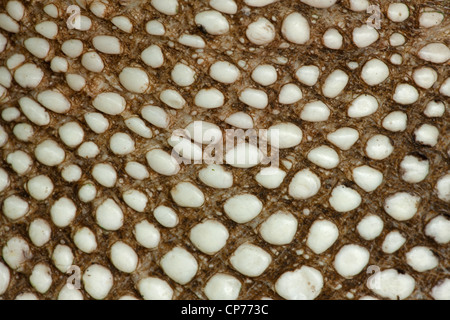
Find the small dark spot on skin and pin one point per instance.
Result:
(202, 29)
(419, 155)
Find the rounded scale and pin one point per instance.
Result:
(244, 155)
(322, 235)
(40, 187)
(351, 260)
(121, 144)
(364, 36)
(39, 232)
(19, 161)
(92, 61)
(374, 72)
(398, 12)
(162, 162)
(62, 257)
(5, 277)
(225, 72)
(109, 215)
(209, 236)
(265, 75)
(379, 147)
(225, 6)
(333, 39)
(243, 208)
(15, 9)
(402, 206)
(28, 75)
(304, 283)
(441, 291)
(392, 284)
(134, 80)
(344, 138)
(166, 216)
(71, 133)
(363, 106)
(155, 28)
(261, 32)
(279, 228)
(367, 178)
(153, 56)
(179, 265)
(123, 257)
(414, 169)
(146, 234)
(370, 227)
(54, 101)
(98, 281)
(193, 41)
(295, 28)
(23, 131)
(104, 174)
(213, 22)
(110, 103)
(308, 75)
(185, 194)
(315, 111)
(38, 47)
(289, 94)
(393, 241)
(135, 199)
(270, 177)
(344, 199)
(123, 23)
(430, 18)
(222, 287)
(41, 278)
(335, 83)
(240, 120)
(8, 24)
(167, 7)
(439, 229)
(250, 260)
(63, 211)
(97, 122)
(152, 288)
(209, 98)
(16, 252)
(421, 259)
(70, 293)
(172, 98)
(15, 208)
(305, 184)
(396, 121)
(156, 116)
(216, 176)
(107, 44)
(284, 135)
(324, 157)
(405, 94)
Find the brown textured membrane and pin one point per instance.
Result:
(234, 47)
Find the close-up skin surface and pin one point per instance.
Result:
(129, 167)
